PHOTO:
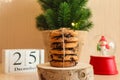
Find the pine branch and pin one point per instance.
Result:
(83, 25)
(41, 22)
(83, 3)
(49, 16)
(46, 4)
(85, 13)
(64, 15)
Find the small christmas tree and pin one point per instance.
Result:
(72, 14)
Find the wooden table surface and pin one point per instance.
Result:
(34, 76)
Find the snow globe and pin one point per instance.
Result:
(102, 55)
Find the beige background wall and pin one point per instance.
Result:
(18, 28)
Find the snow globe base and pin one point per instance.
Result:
(104, 65)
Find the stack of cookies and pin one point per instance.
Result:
(63, 47)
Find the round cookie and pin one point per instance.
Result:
(66, 45)
(71, 39)
(64, 57)
(62, 31)
(54, 51)
(63, 64)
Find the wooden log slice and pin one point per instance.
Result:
(81, 71)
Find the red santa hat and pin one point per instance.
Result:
(103, 39)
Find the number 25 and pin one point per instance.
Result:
(19, 57)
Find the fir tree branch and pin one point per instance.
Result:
(41, 22)
(49, 16)
(46, 4)
(64, 15)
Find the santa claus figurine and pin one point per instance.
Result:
(103, 46)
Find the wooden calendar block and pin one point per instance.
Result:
(22, 60)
